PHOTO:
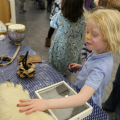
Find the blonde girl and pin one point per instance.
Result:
(103, 38)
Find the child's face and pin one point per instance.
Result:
(94, 38)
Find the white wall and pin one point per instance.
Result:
(13, 12)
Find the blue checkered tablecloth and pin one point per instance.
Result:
(44, 76)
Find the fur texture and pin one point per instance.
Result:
(9, 98)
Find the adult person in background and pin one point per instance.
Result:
(112, 104)
(22, 11)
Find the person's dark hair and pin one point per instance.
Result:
(72, 9)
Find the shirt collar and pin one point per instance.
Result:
(99, 55)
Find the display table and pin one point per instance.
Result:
(44, 76)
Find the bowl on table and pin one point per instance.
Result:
(16, 33)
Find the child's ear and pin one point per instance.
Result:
(106, 44)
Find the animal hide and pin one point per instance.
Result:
(9, 98)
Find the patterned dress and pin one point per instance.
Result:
(56, 7)
(65, 47)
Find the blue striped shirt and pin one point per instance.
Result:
(96, 73)
(85, 52)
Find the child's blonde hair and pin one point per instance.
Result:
(108, 22)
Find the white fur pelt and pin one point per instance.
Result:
(9, 98)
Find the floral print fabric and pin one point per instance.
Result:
(56, 7)
(65, 47)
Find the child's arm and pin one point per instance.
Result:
(32, 105)
(54, 20)
(72, 101)
(76, 66)
(53, 25)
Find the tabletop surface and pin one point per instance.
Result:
(44, 76)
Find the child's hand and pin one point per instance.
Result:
(83, 60)
(32, 105)
(76, 66)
